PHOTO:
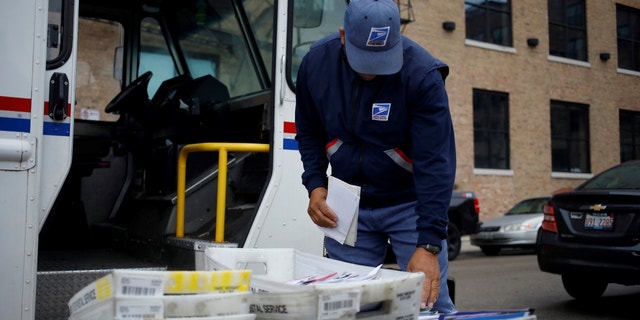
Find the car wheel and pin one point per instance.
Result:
(454, 242)
(490, 250)
(581, 289)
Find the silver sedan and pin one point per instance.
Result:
(517, 228)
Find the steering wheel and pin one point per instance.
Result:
(133, 94)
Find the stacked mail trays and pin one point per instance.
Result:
(131, 294)
(394, 295)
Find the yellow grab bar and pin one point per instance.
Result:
(222, 148)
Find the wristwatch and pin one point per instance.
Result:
(431, 248)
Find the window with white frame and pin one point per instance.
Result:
(568, 29)
(491, 129)
(629, 135)
(628, 20)
(489, 21)
(570, 151)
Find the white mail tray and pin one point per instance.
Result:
(395, 295)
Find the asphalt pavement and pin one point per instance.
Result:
(513, 280)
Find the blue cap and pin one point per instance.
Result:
(372, 36)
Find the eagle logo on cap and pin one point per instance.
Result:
(378, 37)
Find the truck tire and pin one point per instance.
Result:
(454, 242)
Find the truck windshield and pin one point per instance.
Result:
(211, 36)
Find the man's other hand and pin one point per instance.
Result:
(427, 263)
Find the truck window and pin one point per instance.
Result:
(214, 44)
(59, 32)
(312, 20)
(95, 81)
(260, 14)
(154, 55)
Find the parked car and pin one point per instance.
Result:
(464, 219)
(463, 213)
(591, 236)
(518, 228)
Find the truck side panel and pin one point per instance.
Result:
(22, 62)
(35, 145)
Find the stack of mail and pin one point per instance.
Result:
(136, 294)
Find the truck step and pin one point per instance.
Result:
(63, 273)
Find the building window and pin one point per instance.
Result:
(628, 20)
(629, 135)
(489, 21)
(568, 29)
(570, 137)
(491, 129)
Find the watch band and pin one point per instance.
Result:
(431, 248)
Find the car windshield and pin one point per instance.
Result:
(622, 177)
(528, 206)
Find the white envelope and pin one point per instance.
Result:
(344, 200)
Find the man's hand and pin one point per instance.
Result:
(427, 263)
(319, 211)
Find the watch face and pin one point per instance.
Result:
(431, 248)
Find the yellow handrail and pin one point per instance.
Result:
(222, 148)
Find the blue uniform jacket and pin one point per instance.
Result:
(393, 135)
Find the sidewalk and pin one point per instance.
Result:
(466, 245)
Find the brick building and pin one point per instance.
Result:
(547, 109)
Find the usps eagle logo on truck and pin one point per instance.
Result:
(378, 36)
(380, 111)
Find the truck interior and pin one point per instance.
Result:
(197, 71)
(151, 77)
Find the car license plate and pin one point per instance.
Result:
(598, 221)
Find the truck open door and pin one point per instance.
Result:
(35, 131)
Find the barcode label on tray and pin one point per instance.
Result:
(147, 285)
(138, 316)
(140, 309)
(138, 291)
(335, 305)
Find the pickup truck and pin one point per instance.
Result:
(464, 219)
(464, 212)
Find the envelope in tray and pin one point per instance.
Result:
(394, 295)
